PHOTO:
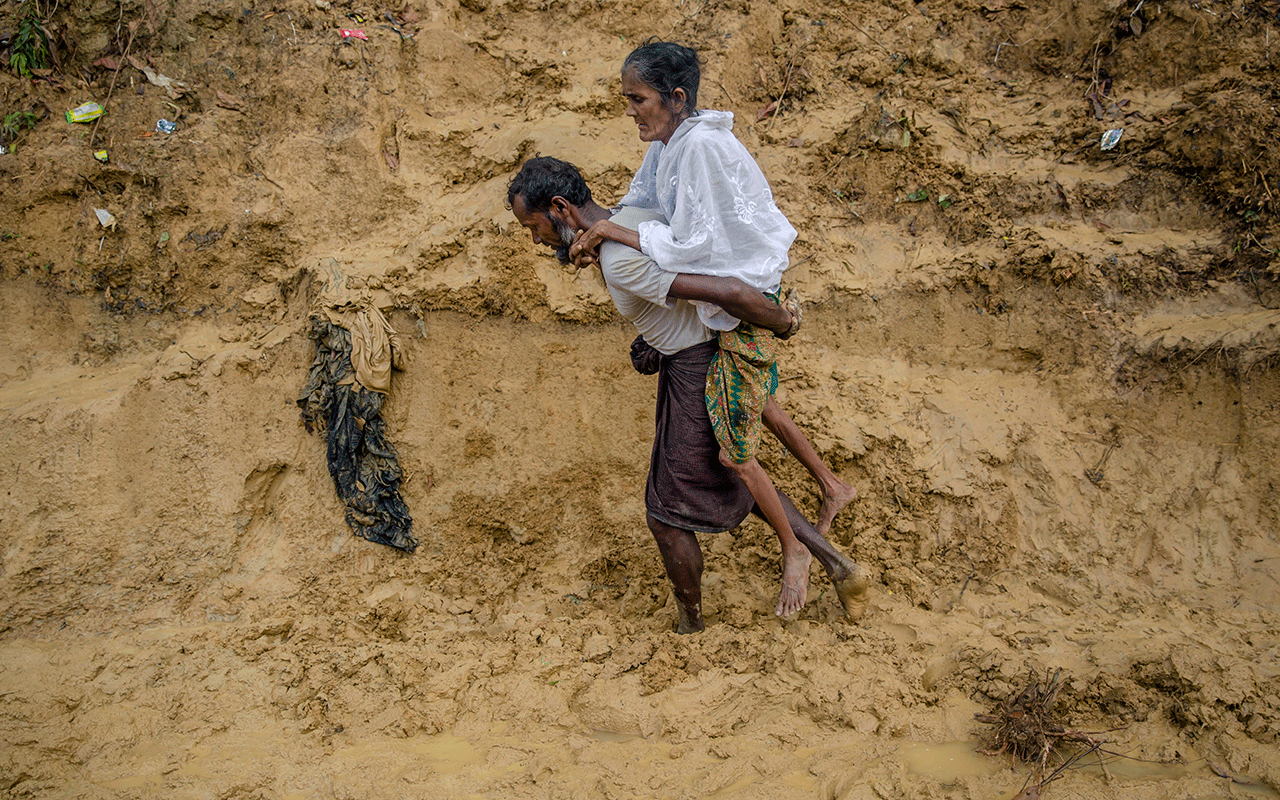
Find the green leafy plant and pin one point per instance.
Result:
(13, 124)
(30, 46)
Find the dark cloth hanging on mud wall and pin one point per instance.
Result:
(362, 461)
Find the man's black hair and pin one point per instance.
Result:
(543, 178)
(664, 67)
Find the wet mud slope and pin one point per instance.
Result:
(1049, 368)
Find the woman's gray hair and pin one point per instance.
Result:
(665, 67)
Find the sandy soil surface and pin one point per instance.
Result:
(1050, 370)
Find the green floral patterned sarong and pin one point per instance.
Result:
(742, 377)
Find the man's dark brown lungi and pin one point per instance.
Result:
(688, 488)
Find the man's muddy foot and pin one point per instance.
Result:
(853, 587)
(690, 621)
(795, 583)
(834, 500)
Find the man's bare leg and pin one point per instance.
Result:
(795, 557)
(682, 558)
(836, 494)
(851, 581)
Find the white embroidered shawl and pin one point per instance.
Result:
(722, 219)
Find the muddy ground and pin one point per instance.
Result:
(1050, 369)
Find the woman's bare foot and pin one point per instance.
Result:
(791, 302)
(835, 496)
(795, 583)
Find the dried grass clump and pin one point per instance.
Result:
(1025, 723)
(1026, 726)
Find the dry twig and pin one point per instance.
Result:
(133, 31)
(786, 84)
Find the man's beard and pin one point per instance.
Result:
(567, 235)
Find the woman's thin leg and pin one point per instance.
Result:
(836, 494)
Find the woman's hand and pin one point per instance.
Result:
(586, 248)
(584, 259)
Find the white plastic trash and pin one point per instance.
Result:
(105, 219)
(1111, 138)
